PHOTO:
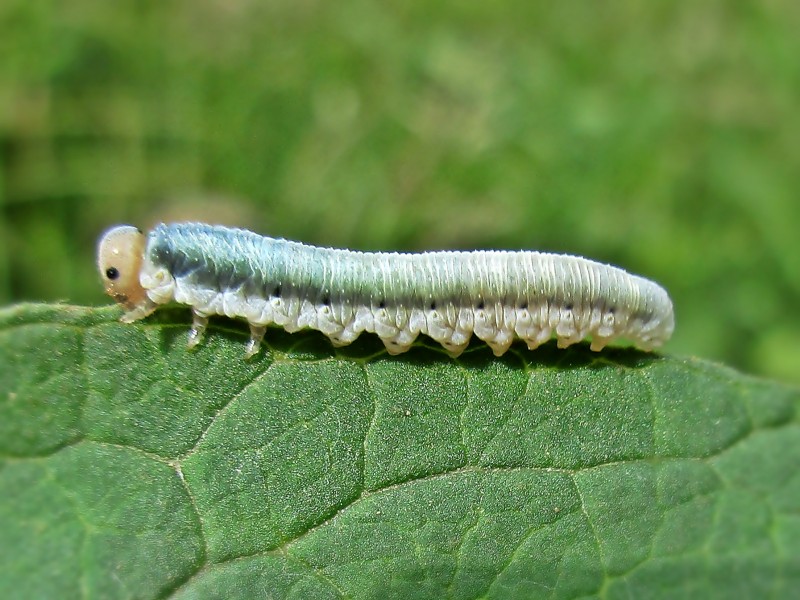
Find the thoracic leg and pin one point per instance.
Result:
(256, 335)
(139, 312)
(199, 324)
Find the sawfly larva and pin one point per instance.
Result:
(497, 295)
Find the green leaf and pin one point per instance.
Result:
(133, 468)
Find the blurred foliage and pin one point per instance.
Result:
(659, 136)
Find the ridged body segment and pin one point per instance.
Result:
(496, 295)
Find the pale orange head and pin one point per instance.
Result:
(119, 259)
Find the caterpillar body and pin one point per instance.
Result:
(448, 296)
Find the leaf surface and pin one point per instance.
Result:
(131, 467)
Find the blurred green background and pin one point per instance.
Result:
(660, 136)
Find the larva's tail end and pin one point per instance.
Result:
(650, 344)
(119, 260)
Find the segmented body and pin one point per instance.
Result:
(448, 296)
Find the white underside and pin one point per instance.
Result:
(451, 326)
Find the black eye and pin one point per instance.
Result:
(112, 273)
